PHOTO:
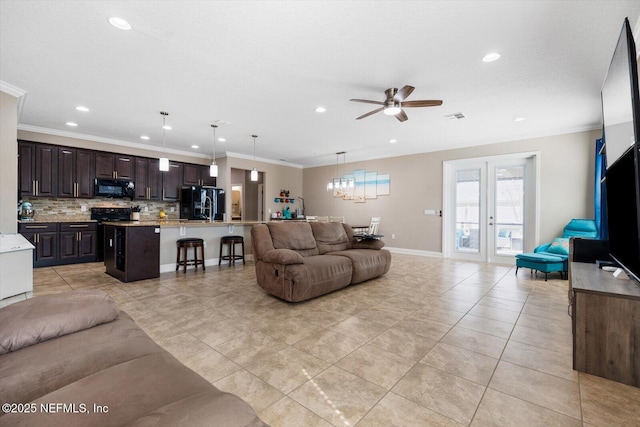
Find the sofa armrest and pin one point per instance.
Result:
(282, 256)
(368, 244)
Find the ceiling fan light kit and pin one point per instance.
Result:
(395, 102)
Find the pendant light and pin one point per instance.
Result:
(330, 183)
(254, 171)
(164, 161)
(213, 169)
(348, 183)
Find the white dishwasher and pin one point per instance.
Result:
(16, 265)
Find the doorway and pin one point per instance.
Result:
(491, 207)
(236, 202)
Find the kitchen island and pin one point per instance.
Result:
(210, 232)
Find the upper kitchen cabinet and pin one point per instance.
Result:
(197, 175)
(148, 179)
(114, 166)
(75, 173)
(37, 169)
(172, 182)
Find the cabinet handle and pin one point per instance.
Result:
(570, 310)
(33, 186)
(35, 226)
(148, 193)
(37, 182)
(36, 238)
(78, 225)
(163, 194)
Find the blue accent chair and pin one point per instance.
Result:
(554, 256)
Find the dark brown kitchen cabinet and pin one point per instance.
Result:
(44, 236)
(148, 179)
(114, 166)
(78, 241)
(37, 169)
(197, 175)
(132, 252)
(172, 182)
(75, 173)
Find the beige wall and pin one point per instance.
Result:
(566, 189)
(9, 164)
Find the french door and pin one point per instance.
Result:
(490, 208)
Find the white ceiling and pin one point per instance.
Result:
(264, 66)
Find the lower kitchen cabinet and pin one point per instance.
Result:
(78, 242)
(61, 243)
(132, 252)
(44, 236)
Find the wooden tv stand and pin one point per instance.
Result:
(605, 323)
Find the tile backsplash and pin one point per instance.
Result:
(44, 206)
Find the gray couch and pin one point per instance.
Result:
(296, 261)
(62, 354)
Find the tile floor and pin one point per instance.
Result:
(433, 342)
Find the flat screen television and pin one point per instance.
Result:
(621, 117)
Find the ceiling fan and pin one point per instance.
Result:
(395, 101)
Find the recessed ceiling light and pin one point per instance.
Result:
(320, 110)
(195, 147)
(519, 119)
(166, 127)
(222, 140)
(393, 141)
(82, 108)
(119, 23)
(71, 124)
(490, 57)
(145, 137)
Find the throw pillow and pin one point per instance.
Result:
(559, 246)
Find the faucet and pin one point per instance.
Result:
(210, 207)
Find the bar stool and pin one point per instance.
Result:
(231, 242)
(183, 246)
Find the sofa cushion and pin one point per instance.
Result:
(42, 318)
(330, 236)
(296, 236)
(559, 246)
(366, 263)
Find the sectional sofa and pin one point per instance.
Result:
(296, 261)
(75, 359)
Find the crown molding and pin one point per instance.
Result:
(102, 140)
(262, 160)
(16, 92)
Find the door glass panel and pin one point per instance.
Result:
(509, 210)
(468, 210)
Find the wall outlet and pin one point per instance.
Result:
(173, 209)
(429, 212)
(146, 208)
(393, 236)
(83, 208)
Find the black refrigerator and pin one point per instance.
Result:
(198, 202)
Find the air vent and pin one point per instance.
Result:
(453, 116)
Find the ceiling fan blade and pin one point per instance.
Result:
(403, 93)
(366, 101)
(377, 110)
(422, 103)
(402, 116)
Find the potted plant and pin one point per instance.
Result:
(135, 213)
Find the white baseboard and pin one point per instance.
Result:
(414, 252)
(166, 268)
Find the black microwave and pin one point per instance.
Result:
(116, 188)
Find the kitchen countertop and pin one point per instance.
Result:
(57, 218)
(179, 223)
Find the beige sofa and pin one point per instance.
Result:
(74, 359)
(296, 261)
